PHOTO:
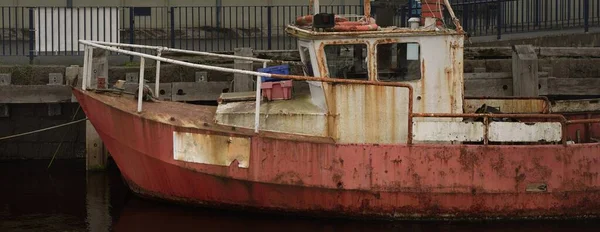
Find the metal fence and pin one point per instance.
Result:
(54, 31)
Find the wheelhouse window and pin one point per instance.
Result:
(347, 61)
(398, 62)
(307, 68)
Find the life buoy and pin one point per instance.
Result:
(342, 24)
(350, 27)
(308, 20)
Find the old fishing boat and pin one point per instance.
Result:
(385, 132)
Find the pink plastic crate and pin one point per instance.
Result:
(279, 90)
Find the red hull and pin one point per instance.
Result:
(391, 181)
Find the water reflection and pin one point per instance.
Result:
(66, 198)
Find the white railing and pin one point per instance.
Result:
(116, 47)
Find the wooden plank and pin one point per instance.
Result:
(570, 51)
(583, 105)
(487, 52)
(197, 91)
(525, 71)
(488, 87)
(16, 94)
(496, 75)
(242, 82)
(96, 157)
(488, 75)
(574, 86)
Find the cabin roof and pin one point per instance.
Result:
(308, 33)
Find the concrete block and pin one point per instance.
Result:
(5, 78)
(55, 79)
(72, 75)
(132, 77)
(4, 111)
(201, 76)
(54, 109)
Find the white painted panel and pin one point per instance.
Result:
(211, 149)
(447, 131)
(60, 29)
(525, 132)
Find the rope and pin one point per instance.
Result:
(62, 139)
(42, 130)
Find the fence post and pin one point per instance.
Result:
(269, 27)
(499, 26)
(586, 15)
(131, 29)
(173, 27)
(31, 36)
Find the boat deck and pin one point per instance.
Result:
(184, 115)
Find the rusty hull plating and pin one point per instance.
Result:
(303, 174)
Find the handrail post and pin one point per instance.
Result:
(87, 67)
(157, 85)
(86, 51)
(141, 86)
(258, 94)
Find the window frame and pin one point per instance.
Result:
(376, 68)
(323, 65)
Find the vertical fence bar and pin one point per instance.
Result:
(141, 84)
(22, 27)
(72, 33)
(131, 29)
(277, 25)
(16, 31)
(172, 27)
(3, 42)
(237, 35)
(52, 29)
(193, 34)
(180, 24)
(256, 26)
(269, 28)
(186, 28)
(586, 15)
(31, 35)
(230, 27)
(9, 28)
(499, 26)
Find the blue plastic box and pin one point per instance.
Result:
(279, 69)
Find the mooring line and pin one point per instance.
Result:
(42, 130)
(63, 138)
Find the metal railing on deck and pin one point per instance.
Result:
(113, 47)
(54, 31)
(116, 47)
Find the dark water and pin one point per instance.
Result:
(66, 198)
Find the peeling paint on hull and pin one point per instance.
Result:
(355, 180)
